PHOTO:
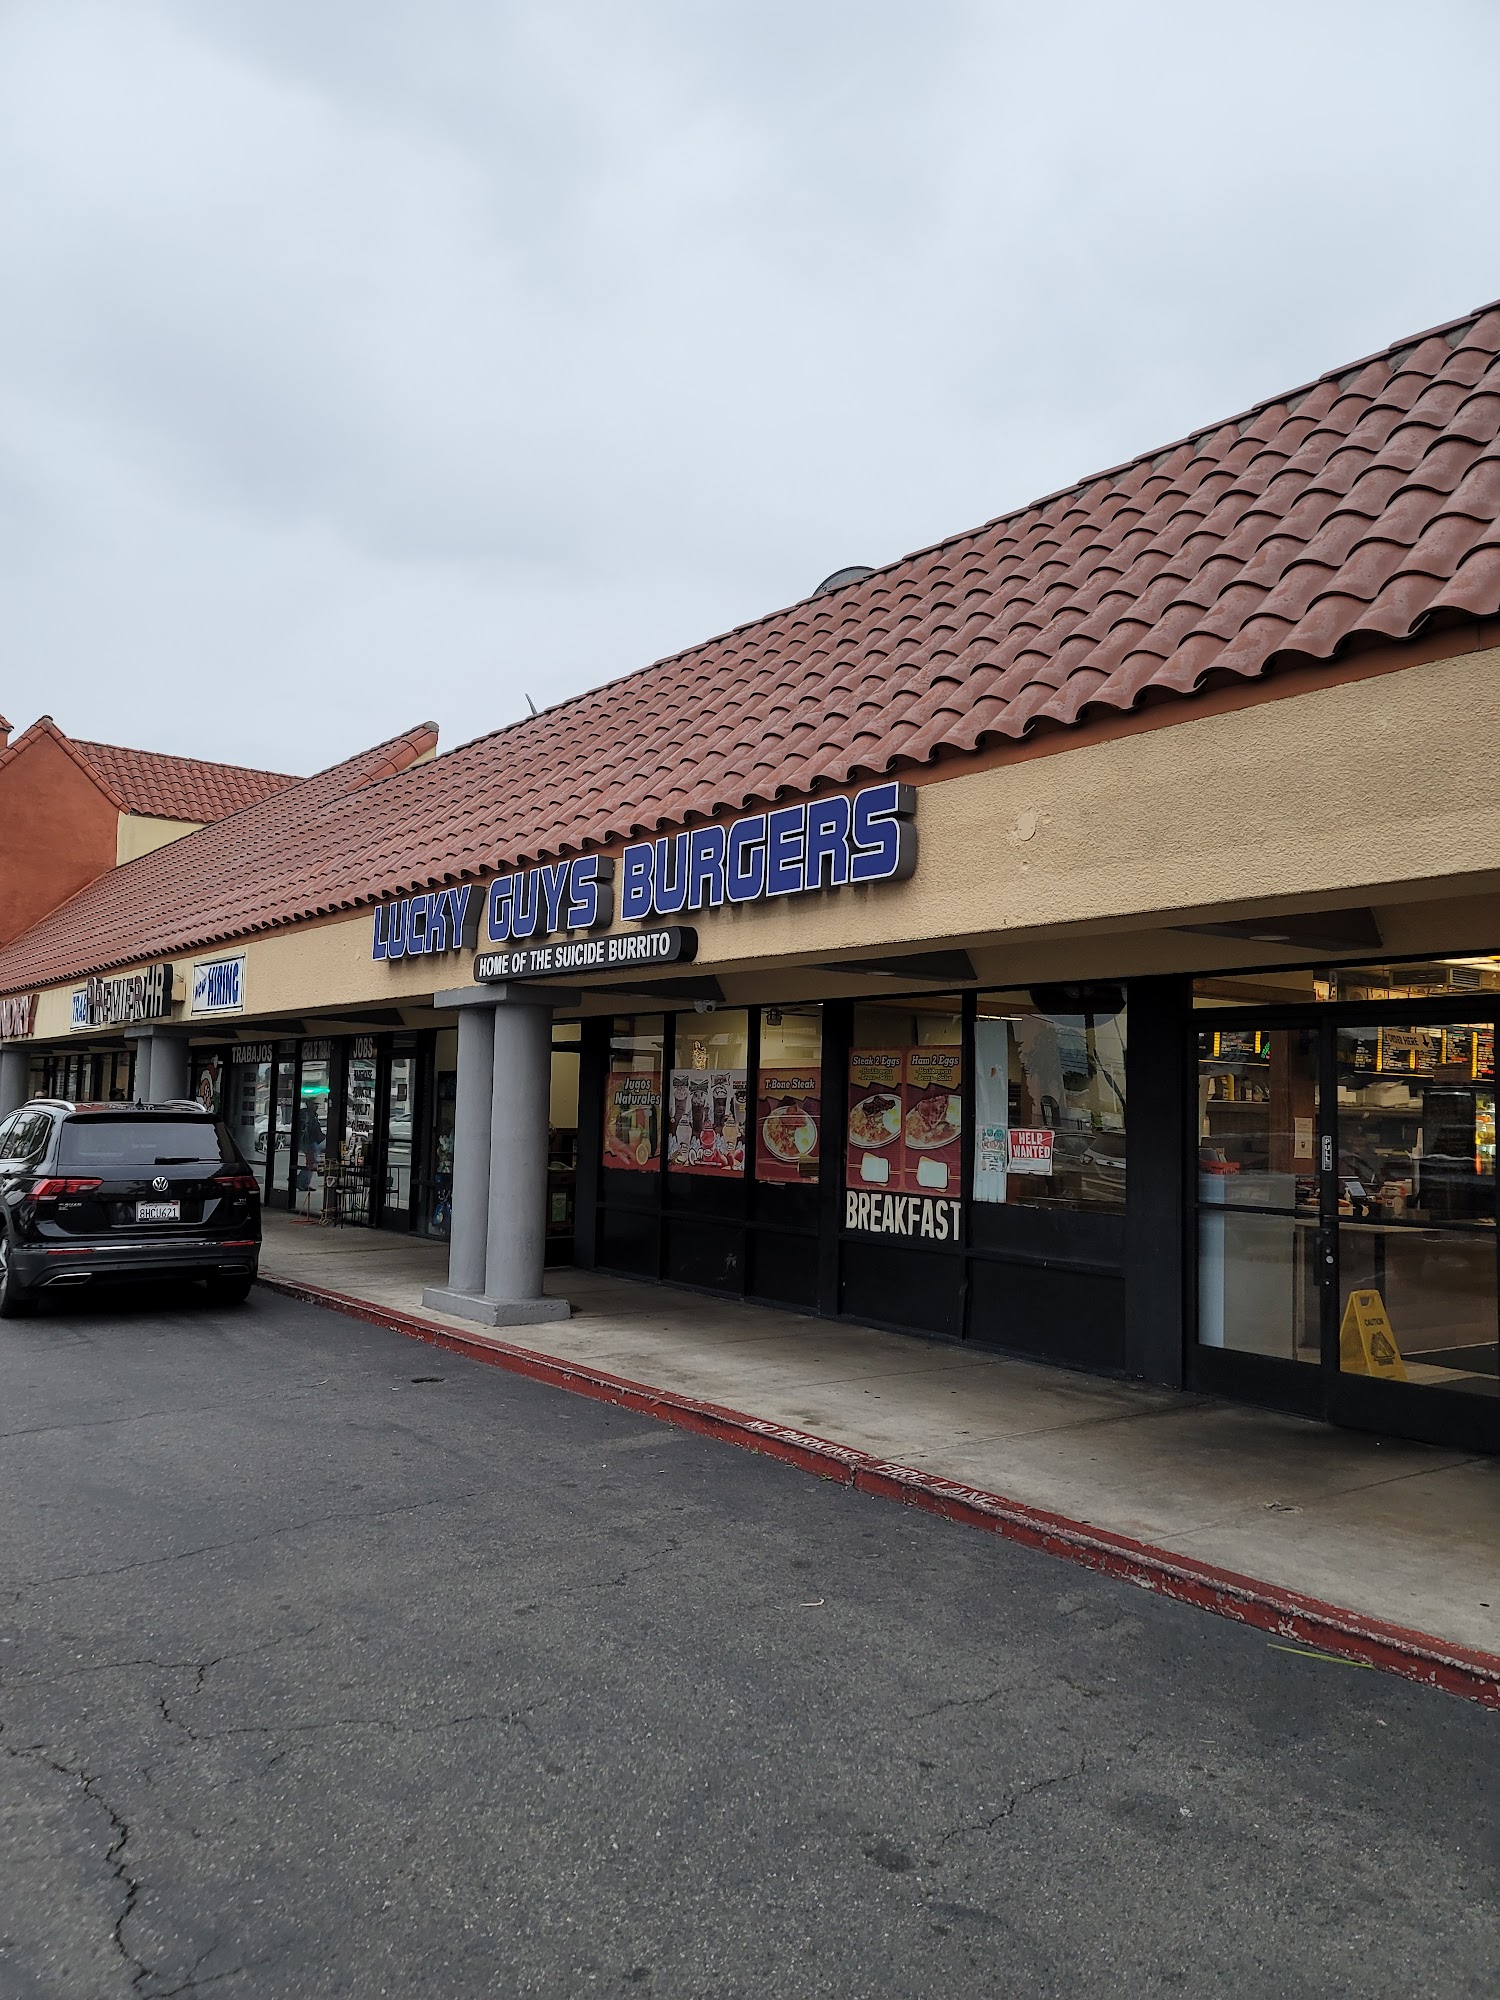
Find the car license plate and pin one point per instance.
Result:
(158, 1211)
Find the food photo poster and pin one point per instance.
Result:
(789, 1112)
(632, 1113)
(706, 1121)
(905, 1120)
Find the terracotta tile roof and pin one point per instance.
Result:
(179, 787)
(1359, 508)
(238, 874)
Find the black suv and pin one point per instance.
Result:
(97, 1193)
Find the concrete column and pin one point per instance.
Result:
(161, 1064)
(141, 1090)
(499, 1240)
(169, 1067)
(14, 1076)
(470, 1205)
(518, 1164)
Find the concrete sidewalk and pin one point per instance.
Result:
(1404, 1533)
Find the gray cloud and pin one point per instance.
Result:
(362, 361)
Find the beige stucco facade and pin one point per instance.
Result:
(1084, 862)
(141, 833)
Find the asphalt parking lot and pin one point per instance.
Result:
(332, 1664)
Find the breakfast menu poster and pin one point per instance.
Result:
(788, 1108)
(905, 1120)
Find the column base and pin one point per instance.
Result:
(494, 1312)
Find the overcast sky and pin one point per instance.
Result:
(369, 360)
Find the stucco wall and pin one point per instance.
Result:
(1346, 793)
(139, 833)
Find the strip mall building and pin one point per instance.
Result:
(1081, 938)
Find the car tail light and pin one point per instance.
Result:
(50, 1189)
(237, 1183)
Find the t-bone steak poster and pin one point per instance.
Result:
(788, 1110)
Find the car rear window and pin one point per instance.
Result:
(116, 1146)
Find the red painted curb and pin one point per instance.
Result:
(1307, 1621)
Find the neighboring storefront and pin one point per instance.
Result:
(1158, 1042)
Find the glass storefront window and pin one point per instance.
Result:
(562, 1146)
(1418, 979)
(789, 1094)
(351, 1185)
(250, 1110)
(314, 1095)
(632, 1094)
(1258, 1191)
(905, 1099)
(1049, 1116)
(208, 1081)
(439, 1218)
(400, 1109)
(1416, 1204)
(283, 1114)
(706, 1093)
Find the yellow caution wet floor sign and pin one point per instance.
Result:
(1367, 1343)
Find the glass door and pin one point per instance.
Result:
(1258, 1275)
(250, 1114)
(356, 1165)
(1415, 1300)
(279, 1144)
(314, 1091)
(1346, 1253)
(400, 1136)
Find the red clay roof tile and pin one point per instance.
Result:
(179, 787)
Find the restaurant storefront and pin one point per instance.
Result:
(1287, 1173)
(1144, 1022)
(950, 1163)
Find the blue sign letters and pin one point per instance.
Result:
(834, 842)
(827, 843)
(576, 895)
(439, 920)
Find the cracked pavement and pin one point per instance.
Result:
(331, 1666)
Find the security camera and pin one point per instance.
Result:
(704, 1006)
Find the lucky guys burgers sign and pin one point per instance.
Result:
(539, 922)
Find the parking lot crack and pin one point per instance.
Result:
(1012, 1804)
(961, 1701)
(38, 1755)
(357, 1516)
